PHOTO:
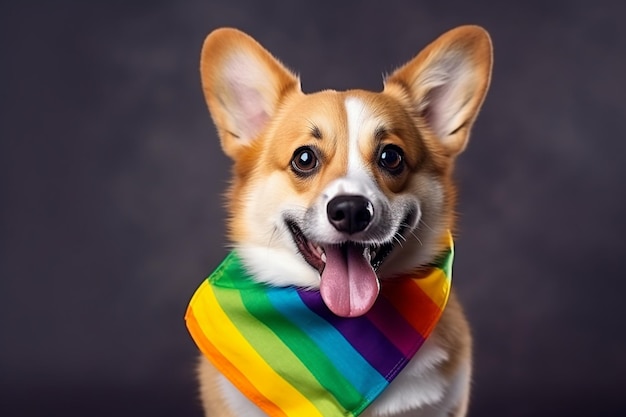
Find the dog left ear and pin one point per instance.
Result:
(446, 83)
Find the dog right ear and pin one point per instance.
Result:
(243, 85)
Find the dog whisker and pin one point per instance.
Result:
(426, 224)
(412, 232)
(275, 231)
(400, 242)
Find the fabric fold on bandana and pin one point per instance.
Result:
(292, 357)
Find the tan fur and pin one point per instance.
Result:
(427, 107)
(212, 400)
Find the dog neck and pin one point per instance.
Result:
(290, 355)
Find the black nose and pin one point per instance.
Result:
(350, 213)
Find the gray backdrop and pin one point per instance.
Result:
(111, 181)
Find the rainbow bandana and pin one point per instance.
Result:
(292, 357)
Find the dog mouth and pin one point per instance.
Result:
(349, 284)
(315, 255)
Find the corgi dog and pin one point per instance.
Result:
(341, 192)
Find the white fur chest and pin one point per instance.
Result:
(421, 389)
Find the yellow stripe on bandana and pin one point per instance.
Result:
(235, 348)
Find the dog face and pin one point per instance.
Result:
(338, 190)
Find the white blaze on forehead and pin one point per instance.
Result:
(362, 125)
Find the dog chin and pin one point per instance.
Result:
(278, 266)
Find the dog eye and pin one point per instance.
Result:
(392, 159)
(304, 161)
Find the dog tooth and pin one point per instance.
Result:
(367, 253)
(323, 257)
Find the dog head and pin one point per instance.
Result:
(338, 190)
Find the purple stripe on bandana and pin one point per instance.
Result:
(361, 333)
(395, 327)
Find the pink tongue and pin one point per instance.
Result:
(349, 285)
